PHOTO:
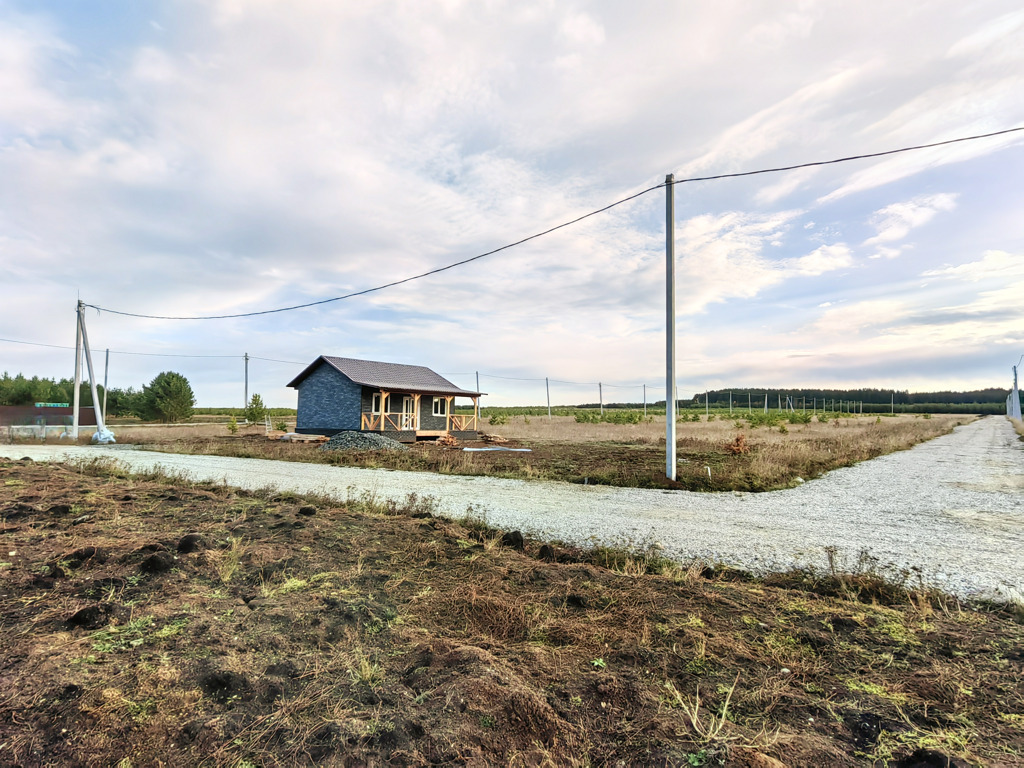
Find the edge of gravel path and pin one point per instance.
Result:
(923, 510)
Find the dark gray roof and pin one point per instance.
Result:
(388, 376)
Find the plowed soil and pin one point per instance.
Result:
(149, 622)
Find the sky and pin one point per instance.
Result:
(218, 157)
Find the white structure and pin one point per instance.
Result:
(1013, 399)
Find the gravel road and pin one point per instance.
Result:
(951, 509)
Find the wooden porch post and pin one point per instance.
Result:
(450, 401)
(383, 408)
(416, 411)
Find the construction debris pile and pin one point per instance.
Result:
(362, 441)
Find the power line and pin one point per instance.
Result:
(506, 378)
(846, 159)
(562, 226)
(395, 282)
(296, 362)
(271, 360)
(115, 351)
(160, 354)
(35, 344)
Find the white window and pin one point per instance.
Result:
(375, 406)
(440, 406)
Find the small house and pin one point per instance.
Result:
(404, 402)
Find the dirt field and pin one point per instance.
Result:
(720, 455)
(151, 623)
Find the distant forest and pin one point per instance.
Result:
(19, 390)
(875, 396)
(979, 401)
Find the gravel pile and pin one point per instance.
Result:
(362, 441)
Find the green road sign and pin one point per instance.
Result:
(53, 405)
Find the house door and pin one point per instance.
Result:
(408, 413)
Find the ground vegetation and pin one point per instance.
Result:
(149, 621)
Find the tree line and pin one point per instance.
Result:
(864, 395)
(168, 397)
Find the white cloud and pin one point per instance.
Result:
(30, 105)
(895, 221)
(245, 155)
(855, 318)
(993, 264)
(724, 257)
(827, 258)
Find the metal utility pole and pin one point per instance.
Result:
(78, 369)
(547, 388)
(101, 435)
(766, 402)
(600, 397)
(670, 327)
(246, 403)
(106, 369)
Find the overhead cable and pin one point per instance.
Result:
(846, 159)
(116, 351)
(394, 282)
(555, 228)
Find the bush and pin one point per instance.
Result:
(760, 419)
(233, 425)
(167, 398)
(497, 420)
(609, 417)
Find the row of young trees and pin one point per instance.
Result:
(168, 397)
(865, 395)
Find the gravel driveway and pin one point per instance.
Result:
(952, 509)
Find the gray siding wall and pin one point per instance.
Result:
(328, 401)
(427, 418)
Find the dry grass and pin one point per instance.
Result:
(629, 455)
(1018, 425)
(892, 429)
(361, 635)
